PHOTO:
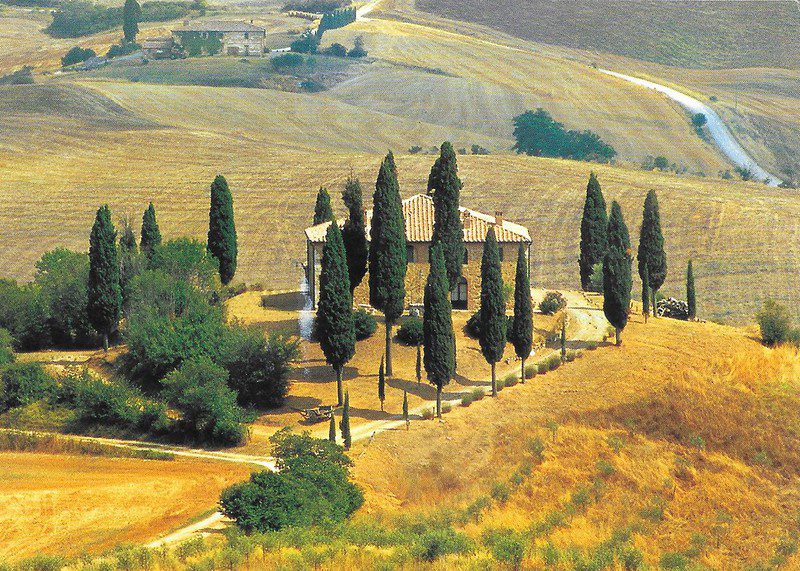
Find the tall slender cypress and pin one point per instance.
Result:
(222, 229)
(447, 227)
(354, 233)
(651, 245)
(387, 251)
(419, 363)
(564, 339)
(105, 294)
(344, 424)
(131, 16)
(332, 428)
(335, 326)
(521, 334)
(617, 282)
(129, 261)
(151, 235)
(691, 300)
(594, 229)
(645, 296)
(381, 384)
(437, 327)
(493, 307)
(323, 211)
(405, 408)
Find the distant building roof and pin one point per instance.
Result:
(219, 26)
(418, 215)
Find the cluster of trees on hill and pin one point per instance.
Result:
(336, 19)
(76, 18)
(179, 344)
(346, 259)
(538, 134)
(317, 6)
(606, 257)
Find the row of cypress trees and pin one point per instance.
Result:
(606, 240)
(107, 264)
(346, 257)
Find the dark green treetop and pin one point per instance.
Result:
(323, 212)
(521, 334)
(691, 299)
(493, 306)
(222, 229)
(594, 231)
(651, 244)
(617, 281)
(151, 235)
(131, 16)
(447, 227)
(105, 294)
(354, 233)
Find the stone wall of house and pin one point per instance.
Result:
(243, 43)
(417, 274)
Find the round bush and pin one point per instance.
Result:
(553, 301)
(24, 383)
(410, 331)
(365, 324)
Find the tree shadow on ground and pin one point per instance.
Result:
(322, 373)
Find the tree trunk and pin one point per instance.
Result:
(522, 375)
(339, 393)
(618, 333)
(653, 307)
(388, 349)
(646, 315)
(438, 402)
(494, 381)
(105, 342)
(419, 363)
(381, 405)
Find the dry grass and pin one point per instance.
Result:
(708, 438)
(686, 33)
(66, 505)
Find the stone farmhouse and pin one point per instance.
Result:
(418, 214)
(228, 38)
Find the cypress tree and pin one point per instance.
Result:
(521, 334)
(323, 212)
(594, 230)
(691, 300)
(645, 296)
(222, 230)
(419, 363)
(433, 177)
(564, 340)
(129, 261)
(151, 235)
(344, 424)
(131, 16)
(354, 233)
(617, 281)
(332, 429)
(405, 408)
(493, 307)
(335, 326)
(387, 251)
(105, 294)
(437, 327)
(651, 246)
(381, 385)
(447, 228)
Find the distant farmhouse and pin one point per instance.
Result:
(215, 37)
(418, 214)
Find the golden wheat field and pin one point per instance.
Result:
(686, 434)
(72, 504)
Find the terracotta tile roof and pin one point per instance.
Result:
(219, 26)
(418, 214)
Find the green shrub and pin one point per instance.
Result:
(410, 331)
(310, 488)
(531, 371)
(654, 510)
(676, 561)
(478, 393)
(500, 384)
(437, 543)
(77, 55)
(538, 134)
(553, 301)
(605, 468)
(365, 324)
(543, 367)
(42, 562)
(209, 413)
(466, 399)
(307, 43)
(553, 362)
(446, 407)
(358, 50)
(24, 313)
(97, 402)
(510, 380)
(508, 547)
(122, 49)
(258, 367)
(336, 50)
(535, 447)
(500, 492)
(6, 351)
(570, 355)
(73, 19)
(580, 497)
(428, 414)
(24, 383)
(288, 60)
(775, 323)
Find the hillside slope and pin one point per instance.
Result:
(694, 457)
(692, 34)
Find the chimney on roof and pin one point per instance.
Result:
(498, 217)
(251, 21)
(186, 23)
